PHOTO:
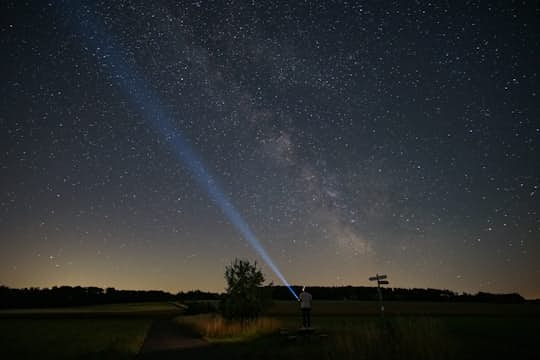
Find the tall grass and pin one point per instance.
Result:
(399, 338)
(214, 328)
(347, 338)
(344, 338)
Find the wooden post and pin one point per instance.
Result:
(380, 281)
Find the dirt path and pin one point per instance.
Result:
(167, 336)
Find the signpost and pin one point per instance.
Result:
(380, 281)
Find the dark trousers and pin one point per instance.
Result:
(306, 317)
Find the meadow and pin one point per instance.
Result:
(355, 330)
(114, 331)
(343, 330)
(399, 308)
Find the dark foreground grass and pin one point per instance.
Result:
(407, 337)
(342, 338)
(109, 335)
(114, 331)
(71, 338)
(480, 337)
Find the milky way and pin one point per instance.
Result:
(353, 138)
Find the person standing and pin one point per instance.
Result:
(305, 299)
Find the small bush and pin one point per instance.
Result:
(244, 296)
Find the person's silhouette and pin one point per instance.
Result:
(305, 299)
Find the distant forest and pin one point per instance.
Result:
(397, 294)
(61, 296)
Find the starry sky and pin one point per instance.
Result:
(353, 138)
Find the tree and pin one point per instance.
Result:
(244, 296)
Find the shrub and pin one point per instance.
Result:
(244, 297)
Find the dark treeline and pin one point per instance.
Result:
(198, 295)
(61, 296)
(77, 296)
(396, 294)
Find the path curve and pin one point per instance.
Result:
(166, 335)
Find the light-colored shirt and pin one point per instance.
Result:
(305, 300)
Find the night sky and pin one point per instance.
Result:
(353, 138)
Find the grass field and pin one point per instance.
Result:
(398, 308)
(71, 338)
(354, 329)
(399, 337)
(151, 309)
(350, 329)
(114, 331)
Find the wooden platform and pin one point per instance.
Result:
(302, 333)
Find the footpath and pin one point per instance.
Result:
(165, 336)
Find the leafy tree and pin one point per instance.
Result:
(244, 297)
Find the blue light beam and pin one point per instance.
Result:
(156, 115)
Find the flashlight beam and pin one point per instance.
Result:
(148, 102)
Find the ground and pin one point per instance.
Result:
(349, 330)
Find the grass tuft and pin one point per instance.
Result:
(216, 329)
